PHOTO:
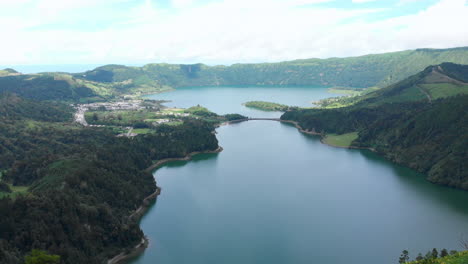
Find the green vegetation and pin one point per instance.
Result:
(80, 185)
(8, 71)
(404, 126)
(122, 118)
(234, 117)
(442, 90)
(8, 190)
(345, 91)
(435, 257)
(432, 83)
(41, 257)
(141, 131)
(200, 111)
(364, 71)
(267, 106)
(113, 81)
(344, 140)
(146, 120)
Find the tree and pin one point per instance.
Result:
(41, 257)
(434, 253)
(419, 257)
(404, 257)
(95, 117)
(443, 253)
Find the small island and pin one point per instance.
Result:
(267, 106)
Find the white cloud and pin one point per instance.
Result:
(404, 2)
(362, 1)
(182, 3)
(229, 31)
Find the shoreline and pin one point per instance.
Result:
(124, 256)
(302, 130)
(186, 158)
(322, 139)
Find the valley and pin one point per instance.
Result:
(78, 151)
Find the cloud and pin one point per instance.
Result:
(404, 2)
(225, 31)
(362, 1)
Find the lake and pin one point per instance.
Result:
(275, 195)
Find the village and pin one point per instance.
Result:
(148, 108)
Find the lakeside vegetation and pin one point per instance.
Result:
(267, 106)
(344, 140)
(406, 126)
(435, 257)
(71, 189)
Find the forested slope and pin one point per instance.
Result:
(78, 185)
(429, 134)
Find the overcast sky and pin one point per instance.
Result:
(222, 31)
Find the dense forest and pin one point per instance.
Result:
(416, 130)
(69, 190)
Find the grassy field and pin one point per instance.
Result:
(344, 91)
(141, 131)
(15, 191)
(441, 90)
(118, 117)
(343, 140)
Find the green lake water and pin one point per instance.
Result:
(275, 195)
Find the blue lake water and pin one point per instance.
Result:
(275, 195)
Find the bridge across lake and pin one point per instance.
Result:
(270, 119)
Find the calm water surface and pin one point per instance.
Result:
(275, 195)
(227, 100)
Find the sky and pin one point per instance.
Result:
(49, 32)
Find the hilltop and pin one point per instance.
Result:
(420, 122)
(8, 71)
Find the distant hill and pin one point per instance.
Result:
(66, 87)
(8, 71)
(13, 107)
(364, 71)
(420, 122)
(434, 82)
(109, 81)
(46, 87)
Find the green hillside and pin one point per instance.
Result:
(420, 122)
(111, 81)
(65, 87)
(434, 82)
(69, 190)
(8, 71)
(364, 71)
(456, 258)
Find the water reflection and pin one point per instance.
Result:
(455, 199)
